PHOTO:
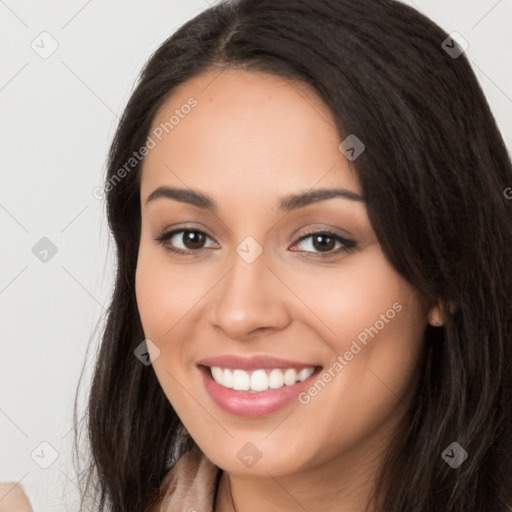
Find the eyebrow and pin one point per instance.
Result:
(287, 203)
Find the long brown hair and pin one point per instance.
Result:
(433, 175)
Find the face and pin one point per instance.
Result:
(265, 287)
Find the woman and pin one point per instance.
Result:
(314, 272)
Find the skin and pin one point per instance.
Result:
(252, 139)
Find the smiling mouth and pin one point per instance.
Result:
(259, 380)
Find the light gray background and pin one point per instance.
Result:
(58, 118)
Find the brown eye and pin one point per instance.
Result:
(191, 240)
(324, 243)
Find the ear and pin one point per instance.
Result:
(438, 314)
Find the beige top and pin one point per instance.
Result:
(190, 486)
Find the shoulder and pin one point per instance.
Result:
(191, 484)
(13, 497)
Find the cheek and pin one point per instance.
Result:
(165, 293)
(164, 297)
(359, 298)
(372, 321)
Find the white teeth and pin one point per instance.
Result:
(227, 379)
(290, 377)
(240, 380)
(276, 379)
(259, 380)
(217, 373)
(305, 373)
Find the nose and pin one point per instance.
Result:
(250, 300)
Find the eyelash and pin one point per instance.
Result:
(348, 245)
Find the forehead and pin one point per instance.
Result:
(235, 129)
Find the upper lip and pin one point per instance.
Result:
(252, 362)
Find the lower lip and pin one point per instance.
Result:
(252, 405)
